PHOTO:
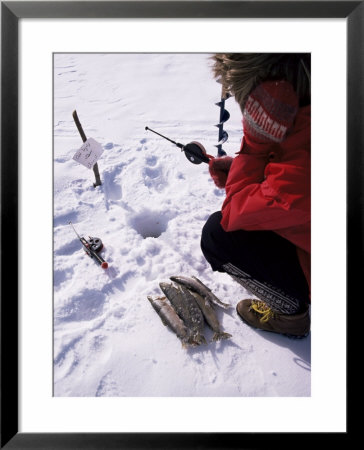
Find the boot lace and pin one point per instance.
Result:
(262, 308)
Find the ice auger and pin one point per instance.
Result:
(224, 116)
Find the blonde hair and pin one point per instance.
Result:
(240, 73)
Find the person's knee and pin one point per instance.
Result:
(211, 240)
(212, 227)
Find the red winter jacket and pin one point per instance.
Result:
(269, 187)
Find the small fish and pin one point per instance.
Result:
(210, 317)
(188, 310)
(171, 319)
(194, 284)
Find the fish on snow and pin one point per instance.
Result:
(210, 316)
(188, 310)
(171, 319)
(194, 284)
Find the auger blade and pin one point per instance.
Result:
(223, 138)
(225, 116)
(220, 151)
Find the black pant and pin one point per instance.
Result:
(262, 261)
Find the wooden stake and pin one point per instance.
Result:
(84, 139)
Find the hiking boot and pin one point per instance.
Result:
(259, 315)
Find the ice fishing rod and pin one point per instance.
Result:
(194, 151)
(92, 247)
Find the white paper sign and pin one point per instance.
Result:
(89, 153)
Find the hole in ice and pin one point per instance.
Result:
(150, 223)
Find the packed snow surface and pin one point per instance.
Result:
(149, 212)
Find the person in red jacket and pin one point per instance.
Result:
(261, 236)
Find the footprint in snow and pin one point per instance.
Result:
(98, 342)
(152, 173)
(121, 282)
(59, 276)
(107, 387)
(66, 250)
(65, 218)
(66, 350)
(119, 313)
(78, 186)
(86, 305)
(141, 147)
(112, 184)
(151, 161)
(140, 261)
(154, 178)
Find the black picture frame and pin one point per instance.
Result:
(11, 13)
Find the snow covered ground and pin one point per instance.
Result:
(149, 212)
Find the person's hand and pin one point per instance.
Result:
(219, 169)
